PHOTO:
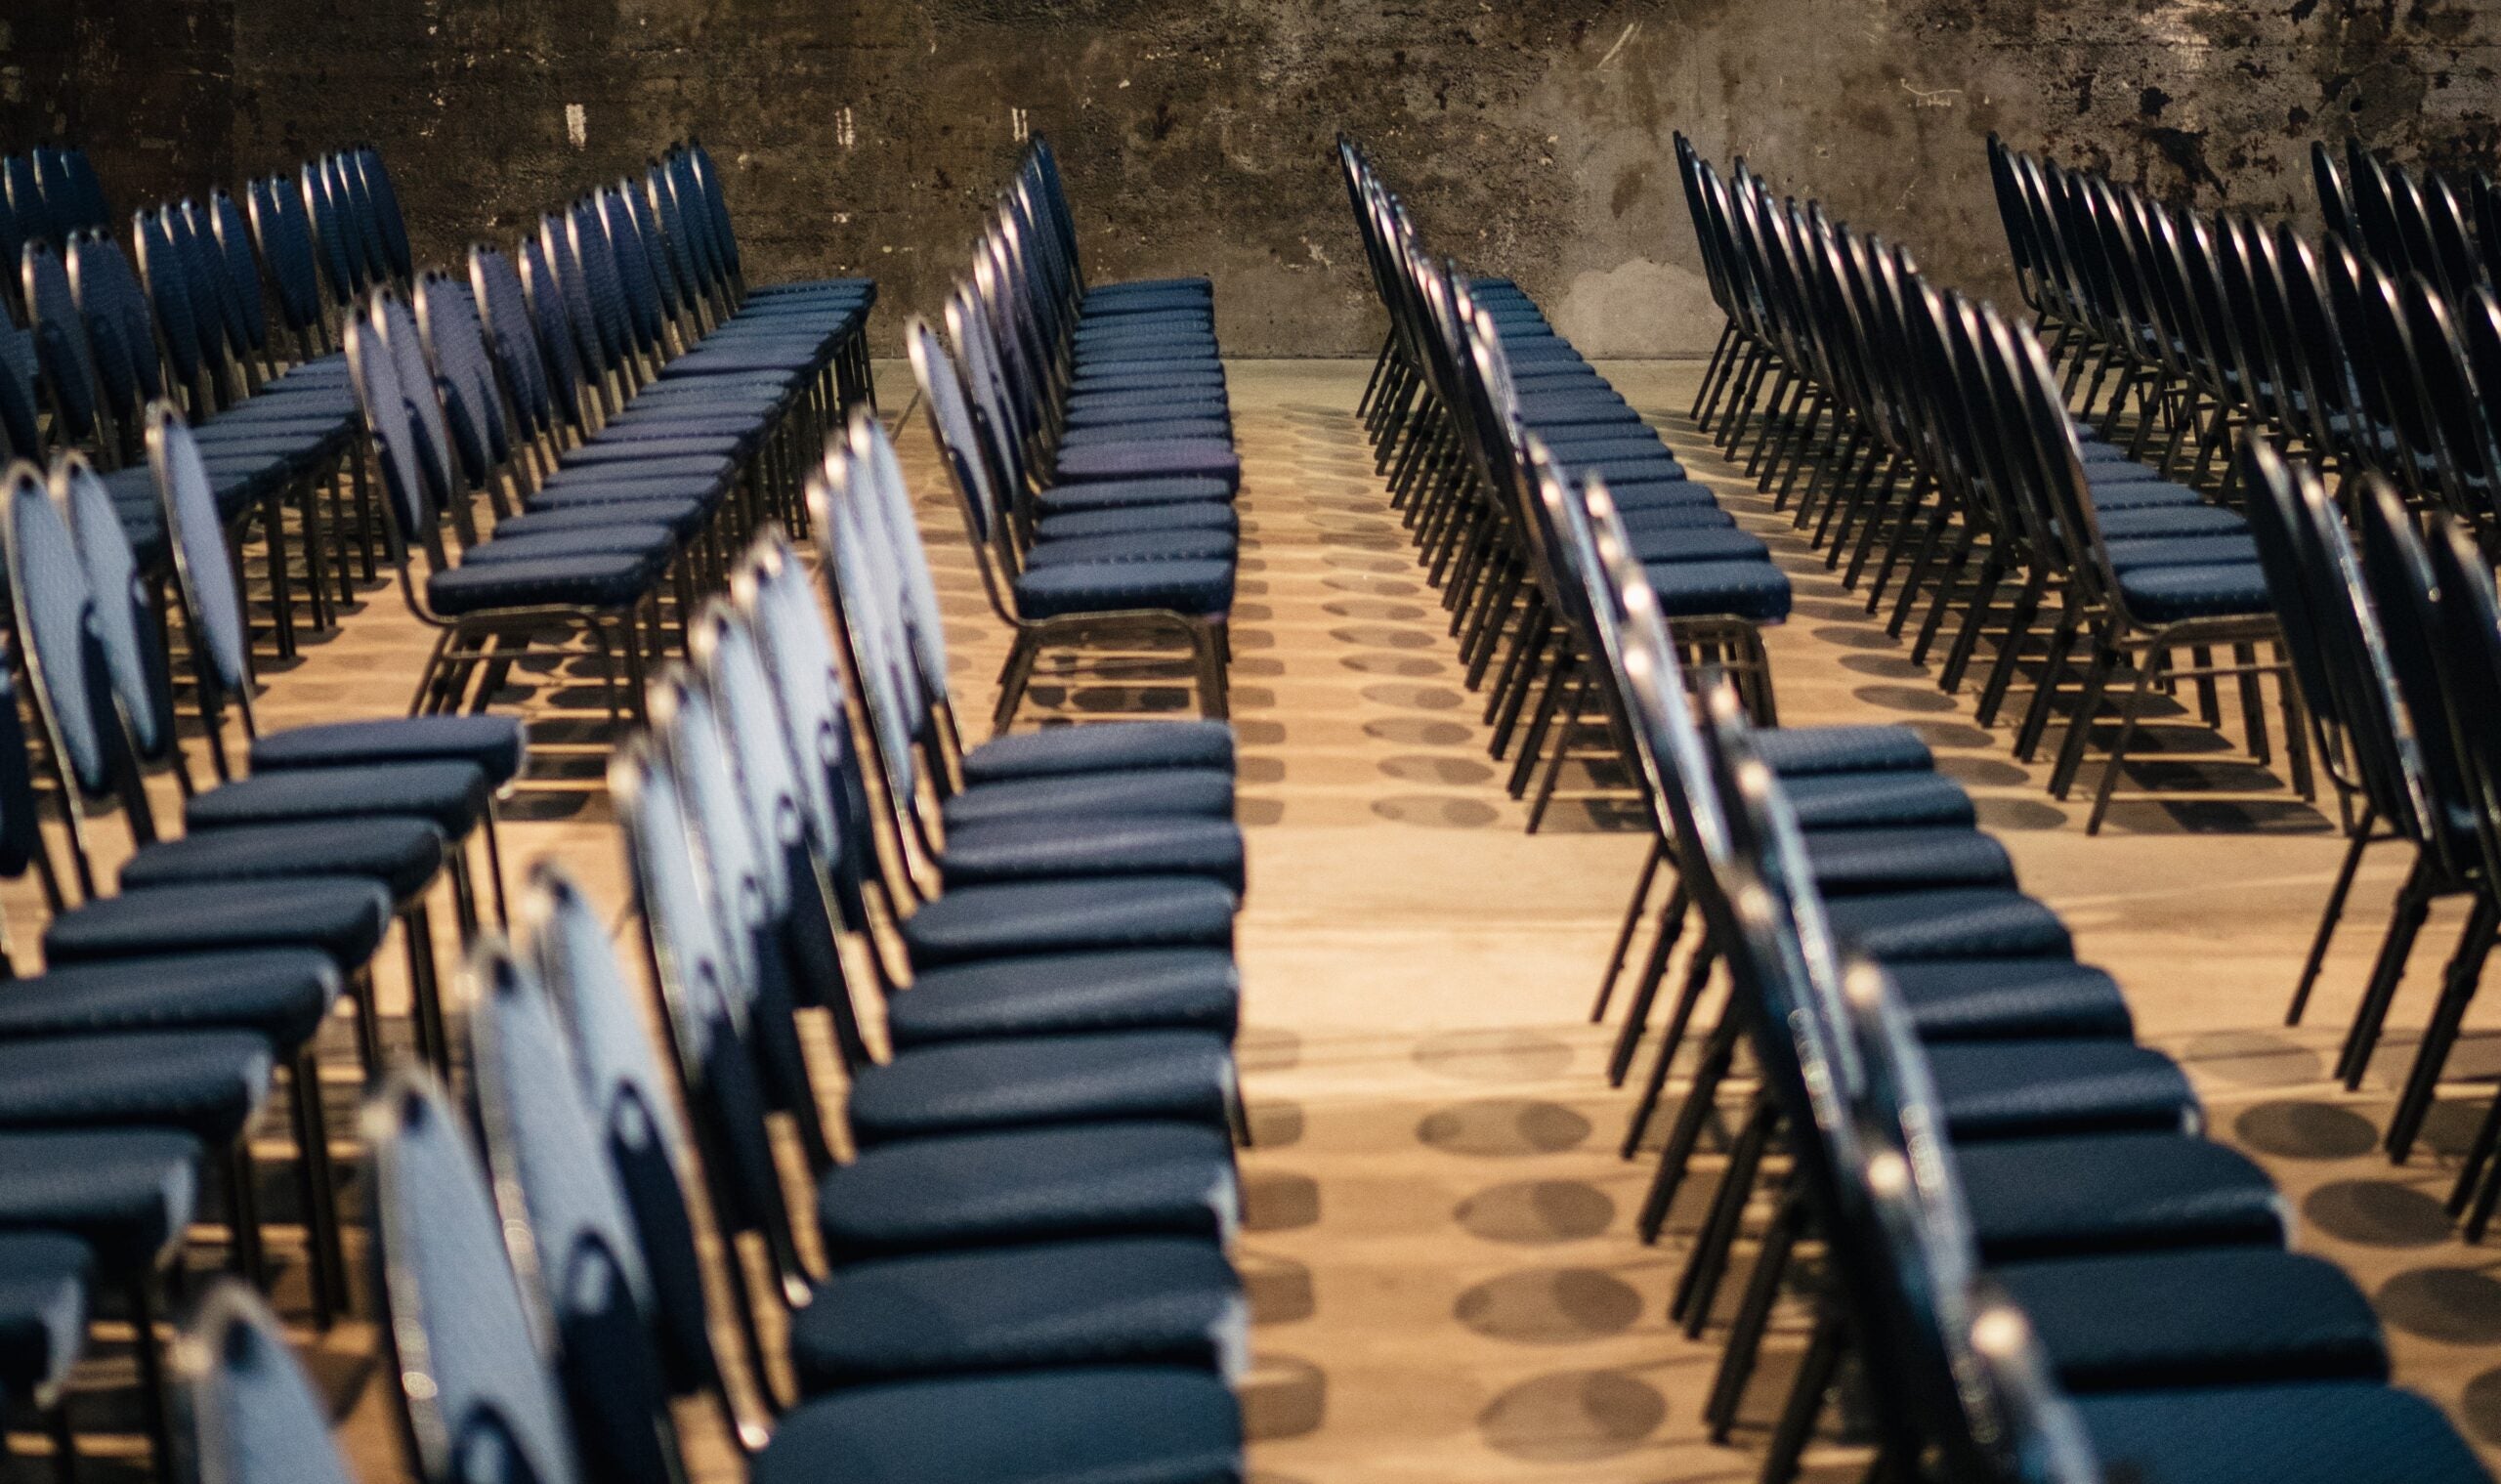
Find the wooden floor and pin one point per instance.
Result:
(1438, 1230)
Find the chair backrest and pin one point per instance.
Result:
(455, 345)
(284, 234)
(494, 288)
(473, 1368)
(566, 1222)
(61, 344)
(543, 302)
(204, 574)
(392, 225)
(253, 1416)
(771, 587)
(330, 244)
(178, 317)
(235, 258)
(125, 617)
(393, 426)
(2469, 657)
(121, 330)
(961, 450)
(2397, 574)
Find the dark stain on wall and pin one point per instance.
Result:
(1532, 138)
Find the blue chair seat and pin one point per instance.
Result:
(1163, 1301)
(495, 745)
(1139, 355)
(2092, 1194)
(1102, 747)
(2136, 495)
(207, 1083)
(1111, 409)
(2138, 522)
(678, 519)
(680, 503)
(1148, 988)
(126, 1193)
(1756, 591)
(282, 994)
(1132, 291)
(598, 539)
(1043, 1081)
(1146, 430)
(741, 358)
(1115, 494)
(453, 795)
(1872, 799)
(1199, 588)
(2294, 1432)
(2219, 1316)
(1678, 515)
(1114, 789)
(1134, 546)
(43, 1310)
(1597, 446)
(698, 469)
(1116, 339)
(1698, 543)
(1184, 458)
(2032, 1089)
(2030, 999)
(1796, 753)
(993, 1189)
(1847, 861)
(2173, 594)
(2119, 474)
(344, 916)
(647, 443)
(1070, 917)
(1184, 515)
(2182, 551)
(402, 854)
(1668, 492)
(605, 583)
(1054, 847)
(1653, 466)
(1120, 1424)
(1090, 381)
(1956, 922)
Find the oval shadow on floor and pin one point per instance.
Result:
(2298, 1130)
(2457, 1305)
(1550, 1306)
(2377, 1214)
(1494, 1055)
(1502, 1127)
(1571, 1417)
(1537, 1213)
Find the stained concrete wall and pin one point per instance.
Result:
(1533, 138)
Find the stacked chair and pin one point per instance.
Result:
(2040, 1267)
(1087, 434)
(1933, 432)
(1447, 418)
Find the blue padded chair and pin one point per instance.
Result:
(44, 1280)
(252, 1416)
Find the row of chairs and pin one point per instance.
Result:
(2441, 226)
(2044, 1273)
(1447, 416)
(46, 193)
(1938, 449)
(1089, 441)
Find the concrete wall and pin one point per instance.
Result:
(1531, 138)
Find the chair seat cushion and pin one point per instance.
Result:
(1958, 922)
(1164, 1300)
(2029, 1088)
(1119, 520)
(1837, 800)
(126, 1193)
(452, 795)
(2352, 1432)
(603, 582)
(1796, 753)
(1194, 588)
(495, 746)
(1112, 789)
(699, 469)
(1119, 1425)
(344, 916)
(1146, 430)
(1652, 466)
(1666, 493)
(1116, 746)
(2219, 1316)
(598, 539)
(43, 1311)
(2136, 495)
(2141, 521)
(403, 853)
(282, 994)
(1053, 847)
(1698, 543)
(1115, 494)
(1043, 1081)
(1158, 458)
(1143, 989)
(676, 519)
(665, 446)
(1979, 998)
(2140, 552)
(1029, 1185)
(2092, 1194)
(1070, 916)
(1134, 546)
(1848, 861)
(1752, 590)
(2172, 594)
(204, 1083)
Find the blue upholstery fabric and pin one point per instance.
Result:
(2192, 520)
(282, 994)
(344, 916)
(1846, 861)
(1710, 543)
(1796, 753)
(452, 795)
(2180, 551)
(1053, 847)
(1118, 746)
(204, 1083)
(1145, 429)
(1756, 591)
(1194, 588)
(1120, 1424)
(1183, 459)
(1634, 497)
(1133, 546)
(255, 1418)
(681, 519)
(1118, 494)
(1994, 1090)
(2136, 494)
(1957, 923)
(495, 745)
(1146, 989)
(2169, 594)
(1981, 998)
(43, 1310)
(127, 1194)
(1029, 1185)
(2216, 1317)
(2113, 1192)
(402, 854)
(606, 538)
(1035, 1081)
(1657, 466)
(603, 582)
(2352, 1432)
(1832, 801)
(1167, 1300)
(1065, 916)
